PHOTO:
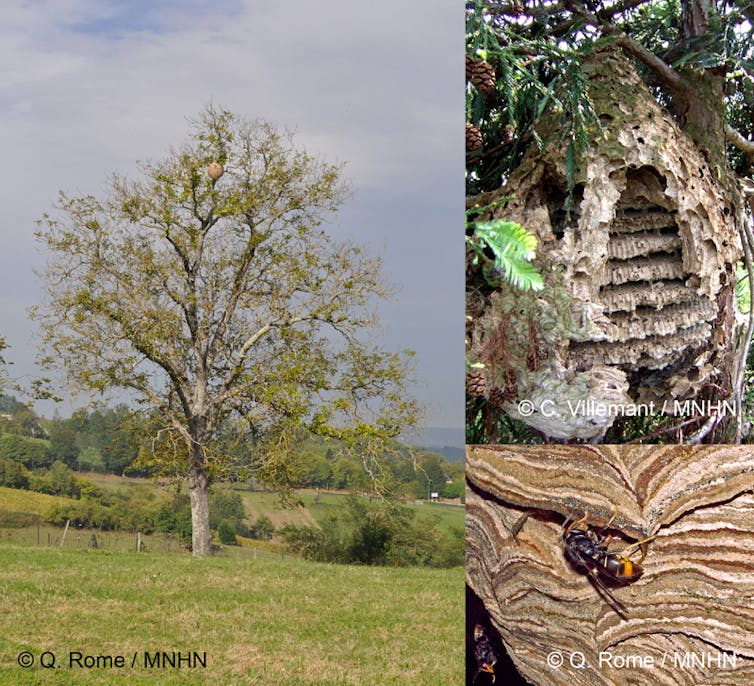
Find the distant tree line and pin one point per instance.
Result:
(109, 440)
(48, 456)
(103, 440)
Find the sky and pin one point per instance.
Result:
(88, 87)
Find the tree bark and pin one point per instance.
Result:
(694, 599)
(198, 482)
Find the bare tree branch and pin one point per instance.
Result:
(667, 76)
(736, 139)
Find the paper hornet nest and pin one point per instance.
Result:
(639, 273)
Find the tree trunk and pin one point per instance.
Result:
(704, 106)
(198, 481)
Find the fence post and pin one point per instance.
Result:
(62, 540)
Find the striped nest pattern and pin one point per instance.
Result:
(695, 598)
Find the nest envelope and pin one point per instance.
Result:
(638, 260)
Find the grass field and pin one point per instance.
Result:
(266, 621)
(447, 515)
(28, 501)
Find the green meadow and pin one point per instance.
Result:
(253, 614)
(253, 621)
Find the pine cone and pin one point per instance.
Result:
(481, 74)
(474, 140)
(476, 384)
(497, 397)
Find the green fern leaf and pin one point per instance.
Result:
(514, 248)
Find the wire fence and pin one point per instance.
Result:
(29, 529)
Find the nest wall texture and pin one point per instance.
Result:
(638, 269)
(695, 597)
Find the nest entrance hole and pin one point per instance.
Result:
(564, 209)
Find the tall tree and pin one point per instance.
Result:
(207, 289)
(542, 79)
(63, 443)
